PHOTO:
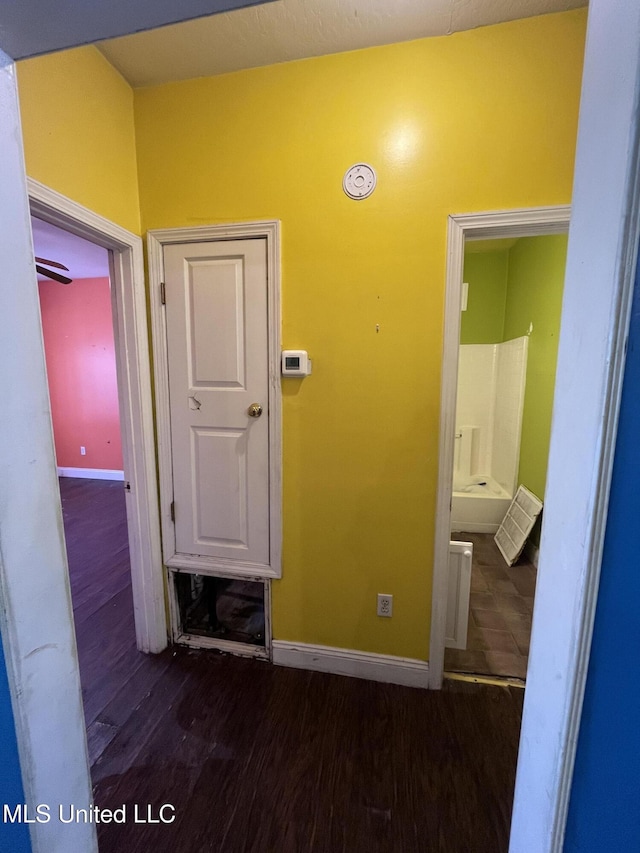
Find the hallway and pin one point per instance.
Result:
(262, 759)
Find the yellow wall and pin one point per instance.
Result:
(475, 121)
(77, 124)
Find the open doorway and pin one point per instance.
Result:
(509, 329)
(126, 296)
(78, 332)
(463, 229)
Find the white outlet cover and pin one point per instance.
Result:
(385, 604)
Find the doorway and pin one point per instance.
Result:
(507, 225)
(128, 304)
(78, 333)
(218, 408)
(509, 330)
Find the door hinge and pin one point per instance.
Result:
(173, 511)
(163, 293)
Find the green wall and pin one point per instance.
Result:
(509, 291)
(534, 296)
(486, 274)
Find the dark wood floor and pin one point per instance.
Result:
(500, 609)
(261, 759)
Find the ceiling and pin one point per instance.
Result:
(284, 30)
(277, 31)
(32, 27)
(84, 259)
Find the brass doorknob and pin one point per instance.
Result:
(254, 410)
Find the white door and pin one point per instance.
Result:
(458, 594)
(217, 341)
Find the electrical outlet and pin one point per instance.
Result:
(385, 604)
(83, 451)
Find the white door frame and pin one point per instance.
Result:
(134, 397)
(492, 225)
(156, 240)
(601, 264)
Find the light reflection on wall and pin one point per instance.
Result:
(403, 144)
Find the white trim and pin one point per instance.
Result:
(528, 222)
(374, 667)
(601, 265)
(243, 650)
(218, 567)
(199, 642)
(134, 393)
(156, 240)
(36, 618)
(91, 473)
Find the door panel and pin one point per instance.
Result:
(217, 360)
(216, 314)
(458, 594)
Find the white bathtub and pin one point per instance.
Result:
(478, 504)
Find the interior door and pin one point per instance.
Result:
(458, 594)
(217, 340)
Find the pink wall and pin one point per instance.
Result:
(79, 348)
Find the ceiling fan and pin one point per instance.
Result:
(55, 276)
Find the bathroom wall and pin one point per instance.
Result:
(534, 299)
(521, 286)
(486, 273)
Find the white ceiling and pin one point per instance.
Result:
(296, 29)
(84, 259)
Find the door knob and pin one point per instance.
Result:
(254, 410)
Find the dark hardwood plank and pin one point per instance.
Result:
(262, 759)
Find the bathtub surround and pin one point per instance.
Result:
(491, 389)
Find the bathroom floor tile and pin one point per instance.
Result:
(463, 660)
(479, 583)
(476, 641)
(489, 619)
(518, 621)
(522, 641)
(513, 603)
(497, 641)
(499, 573)
(501, 605)
(483, 601)
(502, 586)
(501, 663)
(525, 584)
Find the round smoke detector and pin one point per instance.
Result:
(359, 181)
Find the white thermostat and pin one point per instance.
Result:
(295, 362)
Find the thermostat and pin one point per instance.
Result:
(295, 362)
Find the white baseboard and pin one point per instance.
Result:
(532, 552)
(375, 667)
(91, 473)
